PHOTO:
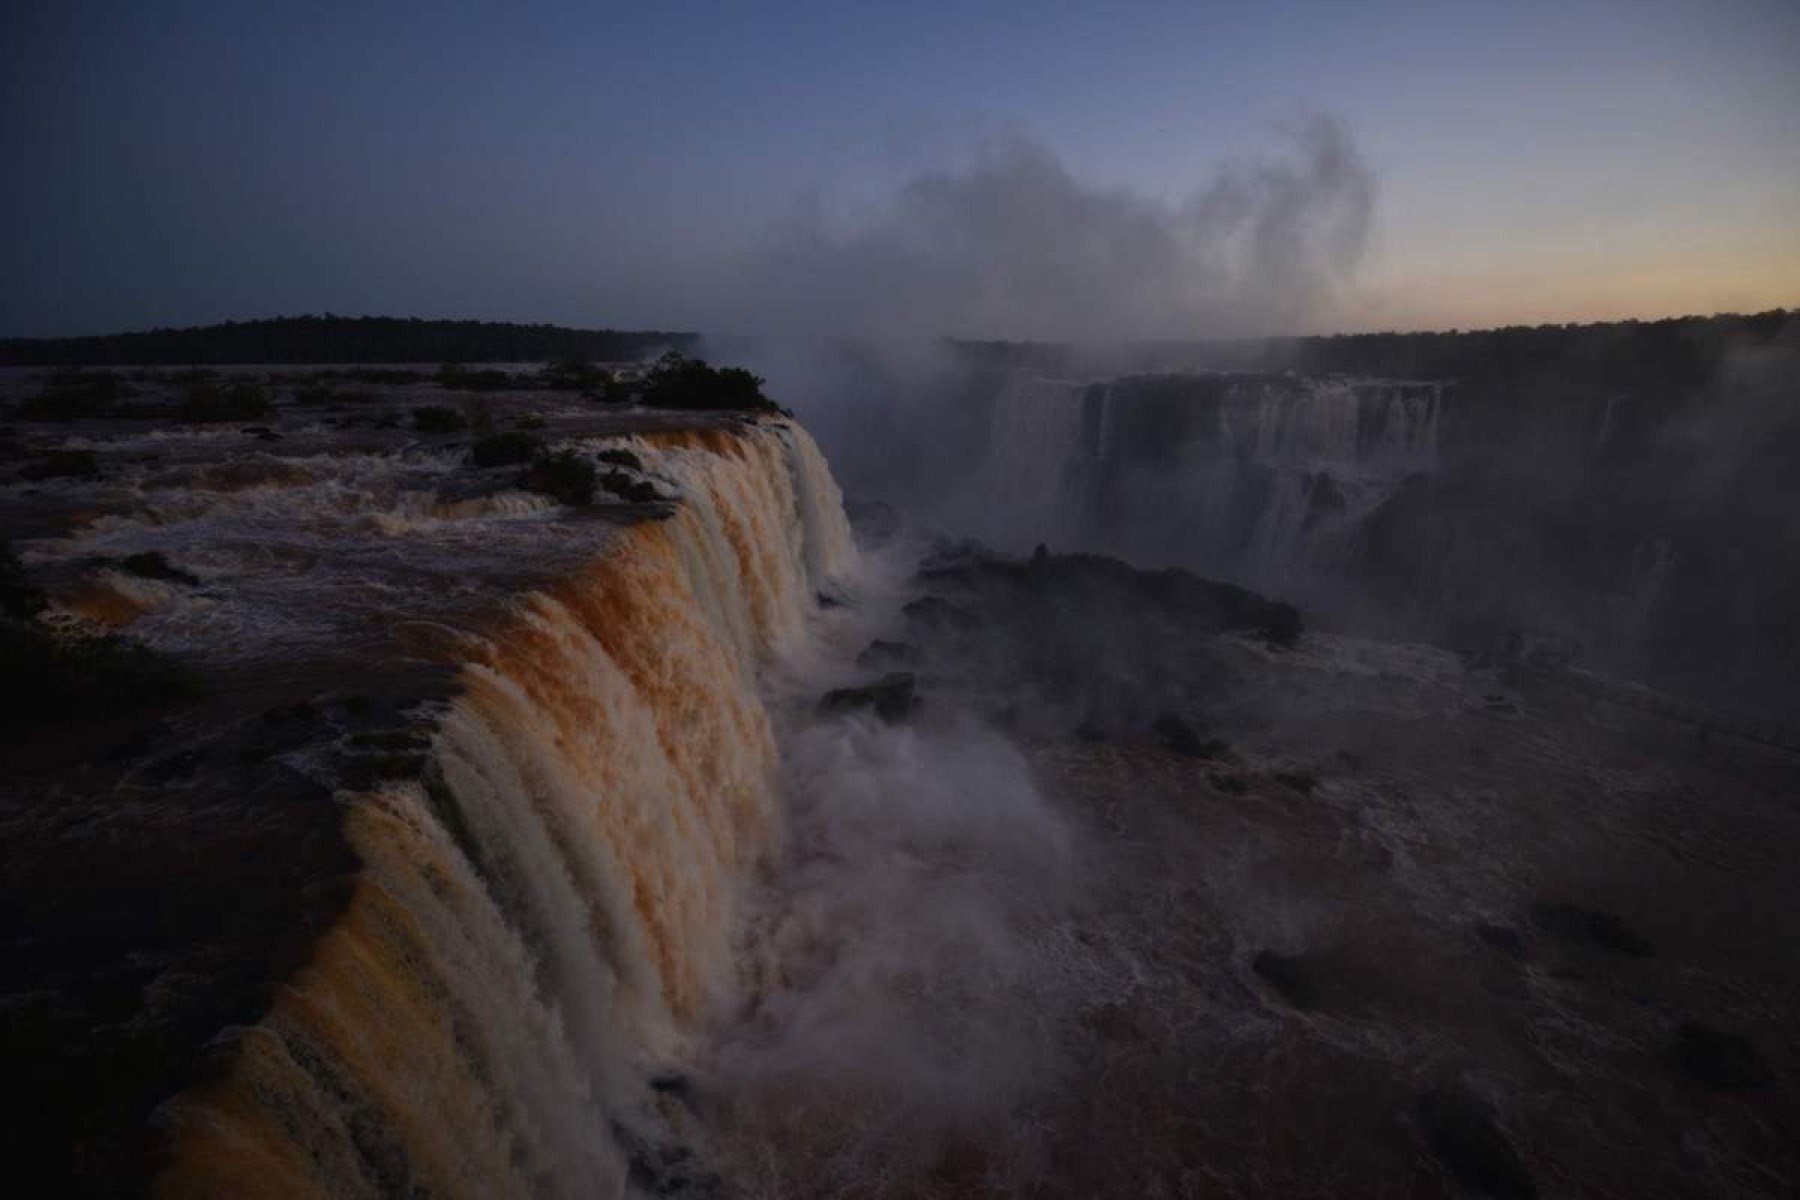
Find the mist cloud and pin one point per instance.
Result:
(1017, 247)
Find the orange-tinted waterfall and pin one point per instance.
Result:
(548, 911)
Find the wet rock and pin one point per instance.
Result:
(152, 565)
(1462, 1133)
(1291, 977)
(879, 654)
(19, 597)
(1325, 499)
(1300, 781)
(170, 768)
(620, 457)
(1586, 927)
(633, 491)
(1506, 987)
(872, 519)
(891, 697)
(1728, 1062)
(1177, 735)
(937, 612)
(1112, 1023)
(669, 1169)
(1199, 604)
(1231, 785)
(1507, 941)
(62, 464)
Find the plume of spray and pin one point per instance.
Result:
(1017, 246)
(900, 966)
(848, 318)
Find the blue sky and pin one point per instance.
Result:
(178, 163)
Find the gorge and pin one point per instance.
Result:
(704, 840)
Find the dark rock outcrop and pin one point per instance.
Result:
(634, 491)
(1507, 941)
(879, 654)
(1590, 929)
(1727, 1062)
(1290, 976)
(1462, 1133)
(891, 697)
(152, 565)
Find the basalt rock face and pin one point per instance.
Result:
(1102, 646)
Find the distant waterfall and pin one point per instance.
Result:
(1348, 427)
(547, 913)
(1263, 475)
(1037, 442)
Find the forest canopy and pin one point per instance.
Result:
(332, 339)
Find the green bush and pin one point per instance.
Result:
(614, 390)
(564, 476)
(438, 418)
(688, 383)
(571, 375)
(503, 449)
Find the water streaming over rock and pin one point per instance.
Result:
(1268, 476)
(547, 913)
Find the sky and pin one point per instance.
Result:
(1035, 169)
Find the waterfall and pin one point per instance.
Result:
(546, 915)
(1347, 427)
(1032, 479)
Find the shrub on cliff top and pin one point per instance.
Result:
(688, 383)
(565, 477)
(572, 375)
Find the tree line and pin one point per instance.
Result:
(334, 339)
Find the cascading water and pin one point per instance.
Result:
(1037, 444)
(548, 915)
(1267, 477)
